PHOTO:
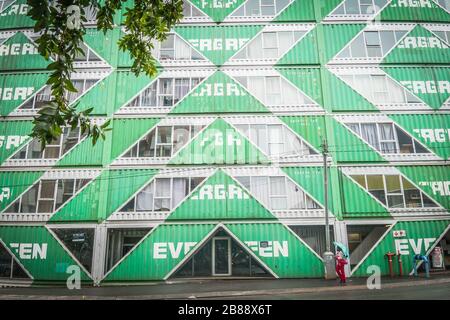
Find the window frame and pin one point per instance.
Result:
(60, 146)
(171, 197)
(386, 193)
(19, 199)
(47, 88)
(380, 140)
(157, 84)
(343, 5)
(135, 149)
(371, 95)
(270, 195)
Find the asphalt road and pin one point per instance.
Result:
(437, 287)
(426, 292)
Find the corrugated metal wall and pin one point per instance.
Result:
(39, 252)
(420, 238)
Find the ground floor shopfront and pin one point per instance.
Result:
(130, 253)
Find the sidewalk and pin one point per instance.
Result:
(198, 289)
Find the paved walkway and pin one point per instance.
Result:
(200, 289)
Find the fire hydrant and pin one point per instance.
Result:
(400, 264)
(389, 255)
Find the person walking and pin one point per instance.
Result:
(340, 266)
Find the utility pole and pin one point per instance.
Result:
(328, 256)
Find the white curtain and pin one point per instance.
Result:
(285, 40)
(354, 127)
(379, 89)
(181, 89)
(162, 188)
(276, 140)
(291, 96)
(273, 91)
(182, 50)
(259, 187)
(254, 48)
(144, 199)
(180, 190)
(256, 86)
(296, 197)
(258, 135)
(363, 85)
(369, 134)
(148, 97)
(396, 92)
(294, 145)
(387, 133)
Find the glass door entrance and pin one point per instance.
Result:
(221, 256)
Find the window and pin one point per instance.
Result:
(163, 141)
(394, 191)
(44, 96)
(47, 196)
(164, 92)
(263, 8)
(445, 4)
(91, 13)
(359, 7)
(372, 44)
(174, 48)
(376, 187)
(162, 194)
(120, 242)
(314, 236)
(387, 138)
(275, 140)
(190, 11)
(273, 86)
(269, 45)
(54, 150)
(361, 238)
(274, 91)
(87, 56)
(379, 89)
(268, 7)
(277, 193)
(9, 268)
(80, 243)
(444, 35)
(4, 4)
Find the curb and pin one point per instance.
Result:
(201, 295)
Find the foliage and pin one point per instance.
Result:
(61, 25)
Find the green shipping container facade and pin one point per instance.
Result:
(214, 166)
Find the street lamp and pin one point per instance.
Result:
(328, 256)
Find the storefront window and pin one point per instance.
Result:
(120, 241)
(80, 243)
(206, 263)
(9, 268)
